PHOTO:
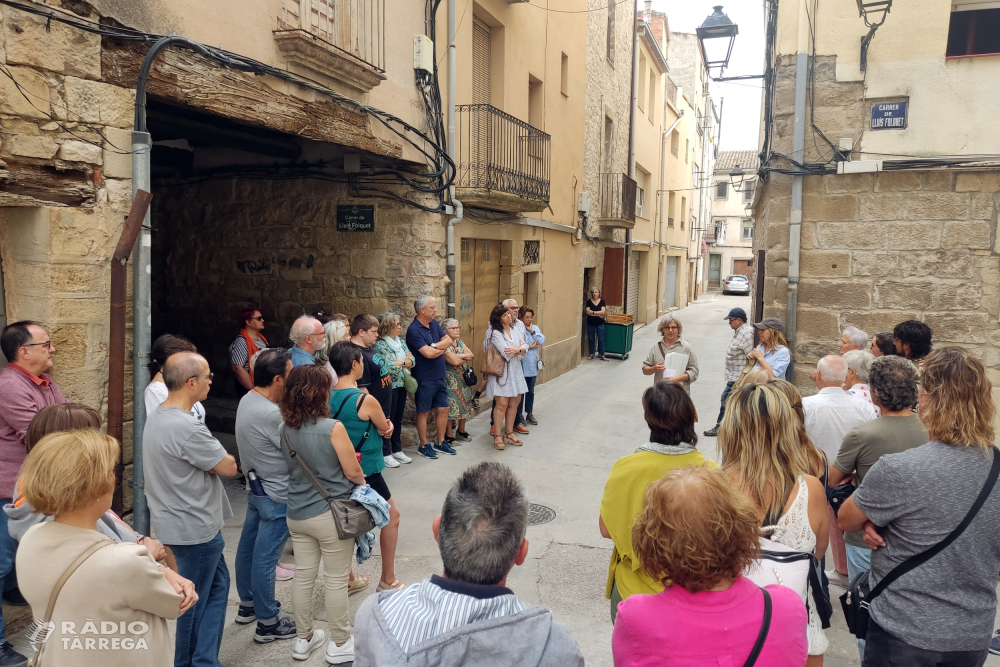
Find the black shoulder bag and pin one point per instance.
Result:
(765, 626)
(859, 596)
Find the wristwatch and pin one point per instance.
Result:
(434, 345)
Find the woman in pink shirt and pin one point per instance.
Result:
(696, 534)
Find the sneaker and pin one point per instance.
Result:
(427, 451)
(995, 644)
(8, 656)
(337, 655)
(446, 448)
(391, 462)
(304, 647)
(283, 629)
(712, 432)
(464, 437)
(521, 429)
(401, 457)
(284, 572)
(244, 615)
(837, 579)
(530, 418)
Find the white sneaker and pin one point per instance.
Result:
(336, 655)
(391, 462)
(304, 647)
(401, 457)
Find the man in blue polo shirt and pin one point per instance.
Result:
(429, 341)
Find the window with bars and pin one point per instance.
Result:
(611, 31)
(532, 252)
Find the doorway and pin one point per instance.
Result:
(479, 290)
(670, 288)
(587, 277)
(743, 267)
(714, 271)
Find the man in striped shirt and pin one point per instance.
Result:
(480, 533)
(736, 358)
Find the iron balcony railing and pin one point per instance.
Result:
(496, 151)
(618, 197)
(355, 27)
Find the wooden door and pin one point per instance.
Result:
(743, 267)
(479, 291)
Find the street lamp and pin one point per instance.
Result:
(736, 177)
(716, 36)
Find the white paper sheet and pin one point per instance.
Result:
(676, 363)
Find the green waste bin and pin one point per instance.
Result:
(618, 339)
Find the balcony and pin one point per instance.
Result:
(501, 163)
(343, 40)
(617, 201)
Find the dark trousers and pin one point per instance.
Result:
(884, 650)
(394, 444)
(595, 339)
(725, 395)
(199, 629)
(527, 403)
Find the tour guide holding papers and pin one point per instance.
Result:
(671, 359)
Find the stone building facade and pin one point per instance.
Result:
(915, 239)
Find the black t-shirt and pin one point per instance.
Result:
(376, 378)
(594, 319)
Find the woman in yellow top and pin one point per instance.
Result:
(670, 415)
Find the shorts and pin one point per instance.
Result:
(378, 485)
(431, 394)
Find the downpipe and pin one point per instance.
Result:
(451, 250)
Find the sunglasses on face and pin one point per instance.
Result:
(258, 318)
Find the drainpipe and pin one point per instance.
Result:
(631, 144)
(451, 153)
(795, 221)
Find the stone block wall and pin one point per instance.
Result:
(220, 246)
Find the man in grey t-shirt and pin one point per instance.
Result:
(258, 428)
(187, 503)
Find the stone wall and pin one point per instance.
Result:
(878, 248)
(220, 246)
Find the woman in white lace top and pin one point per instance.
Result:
(762, 453)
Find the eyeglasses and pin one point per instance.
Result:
(198, 377)
(47, 344)
(257, 318)
(671, 328)
(450, 328)
(321, 334)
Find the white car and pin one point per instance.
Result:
(737, 284)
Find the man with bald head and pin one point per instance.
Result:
(830, 414)
(307, 336)
(187, 504)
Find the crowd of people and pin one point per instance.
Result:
(880, 465)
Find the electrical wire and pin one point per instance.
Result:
(573, 11)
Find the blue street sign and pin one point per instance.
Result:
(888, 116)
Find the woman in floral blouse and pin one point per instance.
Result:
(393, 349)
(459, 395)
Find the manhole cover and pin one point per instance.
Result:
(538, 514)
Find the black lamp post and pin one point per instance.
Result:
(736, 177)
(716, 36)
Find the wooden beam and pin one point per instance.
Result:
(37, 182)
(186, 78)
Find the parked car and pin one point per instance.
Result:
(736, 284)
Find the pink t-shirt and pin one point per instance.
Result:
(676, 628)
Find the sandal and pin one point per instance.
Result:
(396, 585)
(591, 356)
(498, 442)
(511, 440)
(358, 584)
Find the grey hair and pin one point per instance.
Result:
(832, 369)
(893, 381)
(483, 523)
(448, 322)
(301, 328)
(667, 319)
(595, 289)
(335, 330)
(857, 337)
(859, 361)
(421, 302)
(506, 302)
(181, 367)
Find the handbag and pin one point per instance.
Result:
(39, 631)
(410, 383)
(741, 380)
(781, 565)
(765, 626)
(469, 376)
(349, 516)
(858, 598)
(493, 362)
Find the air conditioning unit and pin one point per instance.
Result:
(583, 203)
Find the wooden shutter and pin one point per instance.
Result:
(633, 285)
(614, 275)
(481, 60)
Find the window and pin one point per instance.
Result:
(748, 230)
(675, 140)
(535, 103)
(683, 211)
(466, 251)
(611, 31)
(482, 89)
(670, 209)
(748, 192)
(721, 190)
(652, 95)
(486, 250)
(564, 76)
(608, 143)
(974, 32)
(640, 197)
(640, 98)
(687, 150)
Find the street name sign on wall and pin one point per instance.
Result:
(356, 218)
(889, 116)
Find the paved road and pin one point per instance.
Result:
(588, 418)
